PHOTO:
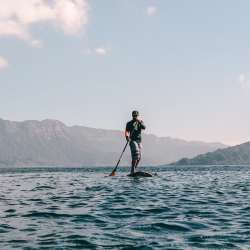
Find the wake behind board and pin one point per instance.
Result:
(143, 174)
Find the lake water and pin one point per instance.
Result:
(83, 208)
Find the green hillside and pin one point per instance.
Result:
(236, 155)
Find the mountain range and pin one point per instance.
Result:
(236, 155)
(52, 143)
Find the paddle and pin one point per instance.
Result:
(113, 173)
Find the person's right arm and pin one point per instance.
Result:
(127, 132)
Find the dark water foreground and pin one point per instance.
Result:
(83, 208)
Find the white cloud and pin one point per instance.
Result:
(241, 78)
(244, 80)
(151, 11)
(3, 63)
(17, 16)
(36, 43)
(100, 50)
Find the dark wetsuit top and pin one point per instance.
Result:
(136, 136)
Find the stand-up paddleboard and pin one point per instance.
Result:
(143, 174)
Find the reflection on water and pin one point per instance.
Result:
(179, 208)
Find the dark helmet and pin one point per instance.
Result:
(135, 112)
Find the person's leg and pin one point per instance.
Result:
(139, 149)
(134, 165)
(137, 163)
(136, 150)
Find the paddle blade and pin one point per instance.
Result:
(113, 173)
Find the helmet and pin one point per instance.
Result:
(135, 112)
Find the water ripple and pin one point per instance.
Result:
(192, 207)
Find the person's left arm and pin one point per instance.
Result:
(141, 123)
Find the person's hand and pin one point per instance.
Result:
(137, 119)
(128, 139)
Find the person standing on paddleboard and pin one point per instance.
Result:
(133, 135)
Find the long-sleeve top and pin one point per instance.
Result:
(136, 135)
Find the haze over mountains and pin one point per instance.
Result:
(236, 155)
(52, 143)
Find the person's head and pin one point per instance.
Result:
(135, 114)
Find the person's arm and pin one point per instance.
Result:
(142, 125)
(141, 122)
(127, 133)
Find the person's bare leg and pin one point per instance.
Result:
(134, 165)
(137, 163)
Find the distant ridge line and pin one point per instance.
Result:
(234, 155)
(52, 143)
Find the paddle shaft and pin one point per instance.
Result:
(124, 149)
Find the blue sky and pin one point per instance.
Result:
(183, 64)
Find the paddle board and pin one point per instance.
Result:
(143, 174)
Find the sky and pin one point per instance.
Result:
(184, 65)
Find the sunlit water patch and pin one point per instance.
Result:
(83, 208)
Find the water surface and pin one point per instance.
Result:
(83, 208)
